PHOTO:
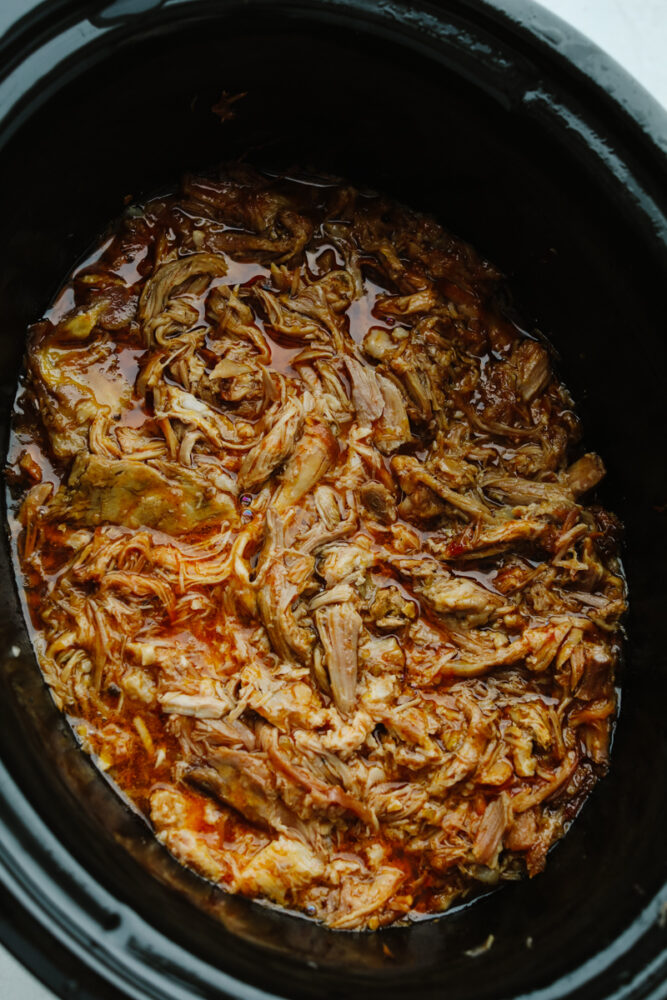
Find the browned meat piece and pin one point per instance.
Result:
(242, 201)
(160, 315)
(525, 491)
(275, 230)
(481, 543)
(231, 315)
(285, 320)
(411, 474)
(288, 638)
(134, 494)
(321, 796)
(73, 387)
(269, 453)
(245, 782)
(585, 474)
(447, 594)
(422, 507)
(326, 299)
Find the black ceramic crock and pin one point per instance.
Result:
(525, 140)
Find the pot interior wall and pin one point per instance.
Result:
(380, 115)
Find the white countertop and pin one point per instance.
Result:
(634, 32)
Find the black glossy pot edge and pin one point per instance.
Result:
(35, 871)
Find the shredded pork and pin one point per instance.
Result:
(305, 540)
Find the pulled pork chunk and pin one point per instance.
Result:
(338, 626)
(245, 782)
(272, 450)
(307, 551)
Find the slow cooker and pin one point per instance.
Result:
(526, 141)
